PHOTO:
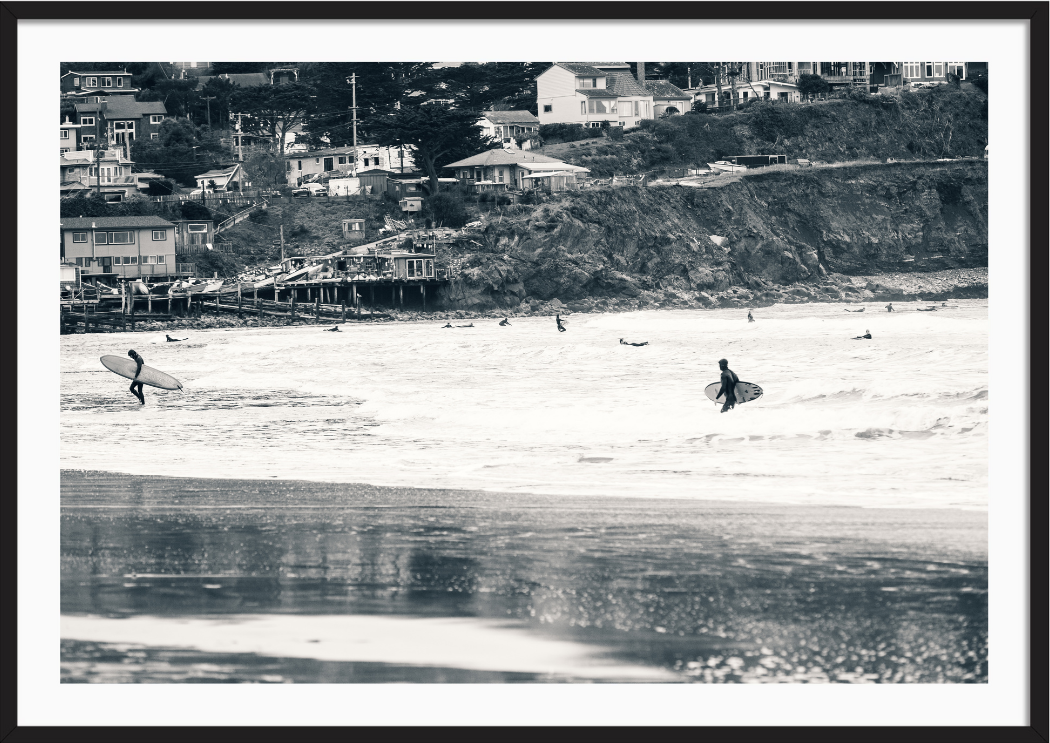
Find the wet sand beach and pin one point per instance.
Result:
(222, 580)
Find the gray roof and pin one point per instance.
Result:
(579, 68)
(510, 117)
(596, 92)
(96, 73)
(623, 83)
(501, 157)
(80, 223)
(664, 89)
(126, 107)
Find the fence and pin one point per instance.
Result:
(187, 268)
(239, 217)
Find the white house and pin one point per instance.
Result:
(508, 168)
(226, 179)
(111, 174)
(592, 94)
(507, 126)
(766, 90)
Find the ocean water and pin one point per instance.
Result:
(900, 420)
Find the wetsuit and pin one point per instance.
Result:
(862, 337)
(138, 369)
(729, 382)
(504, 321)
(561, 329)
(889, 308)
(749, 318)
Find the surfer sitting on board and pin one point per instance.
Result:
(749, 317)
(135, 382)
(504, 321)
(867, 335)
(728, 388)
(557, 319)
(628, 343)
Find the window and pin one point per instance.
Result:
(198, 234)
(912, 69)
(107, 261)
(87, 137)
(597, 106)
(499, 175)
(160, 234)
(147, 259)
(430, 268)
(300, 165)
(87, 120)
(107, 82)
(317, 159)
(76, 81)
(100, 238)
(80, 237)
(120, 82)
(156, 118)
(938, 69)
(929, 69)
(63, 150)
(197, 228)
(90, 82)
(154, 135)
(80, 262)
(120, 238)
(342, 160)
(958, 68)
(131, 260)
(583, 107)
(547, 108)
(161, 259)
(64, 134)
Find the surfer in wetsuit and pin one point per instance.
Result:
(173, 340)
(446, 325)
(332, 330)
(628, 343)
(465, 326)
(889, 307)
(135, 382)
(867, 336)
(561, 328)
(860, 310)
(504, 321)
(728, 388)
(749, 317)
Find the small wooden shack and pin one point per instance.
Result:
(373, 182)
(408, 266)
(354, 230)
(411, 204)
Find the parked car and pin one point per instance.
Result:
(320, 192)
(301, 192)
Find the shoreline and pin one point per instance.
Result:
(693, 591)
(937, 286)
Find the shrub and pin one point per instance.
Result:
(771, 121)
(699, 107)
(194, 210)
(616, 133)
(163, 187)
(562, 132)
(446, 209)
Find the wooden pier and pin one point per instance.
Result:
(340, 300)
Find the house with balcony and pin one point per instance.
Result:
(508, 126)
(96, 84)
(337, 162)
(110, 175)
(594, 94)
(501, 169)
(114, 248)
(928, 74)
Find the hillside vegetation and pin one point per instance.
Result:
(929, 124)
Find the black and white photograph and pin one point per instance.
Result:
(525, 374)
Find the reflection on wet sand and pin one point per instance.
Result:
(166, 573)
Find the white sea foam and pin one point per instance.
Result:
(899, 420)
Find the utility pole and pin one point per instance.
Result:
(240, 140)
(98, 169)
(353, 83)
(282, 245)
(209, 99)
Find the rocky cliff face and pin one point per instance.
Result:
(763, 235)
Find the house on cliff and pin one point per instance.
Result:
(504, 169)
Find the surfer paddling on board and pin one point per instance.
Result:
(504, 321)
(557, 319)
(446, 325)
(332, 330)
(728, 388)
(628, 343)
(135, 382)
(866, 336)
(173, 340)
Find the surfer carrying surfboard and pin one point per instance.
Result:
(728, 388)
(135, 382)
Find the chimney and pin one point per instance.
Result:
(641, 73)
